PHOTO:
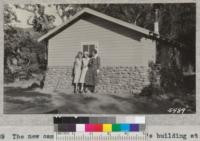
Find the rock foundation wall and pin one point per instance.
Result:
(112, 80)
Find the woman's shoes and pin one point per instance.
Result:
(80, 91)
(76, 91)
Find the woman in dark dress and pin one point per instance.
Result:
(91, 78)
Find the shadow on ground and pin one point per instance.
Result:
(36, 101)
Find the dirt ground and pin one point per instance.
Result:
(37, 101)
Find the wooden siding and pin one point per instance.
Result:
(118, 46)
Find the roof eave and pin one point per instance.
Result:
(45, 36)
(100, 15)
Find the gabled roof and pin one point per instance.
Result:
(130, 26)
(97, 14)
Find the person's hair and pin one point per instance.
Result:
(95, 51)
(77, 56)
(86, 53)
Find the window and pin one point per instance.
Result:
(89, 46)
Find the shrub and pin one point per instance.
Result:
(23, 55)
(164, 79)
(171, 79)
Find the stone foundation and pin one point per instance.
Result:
(112, 80)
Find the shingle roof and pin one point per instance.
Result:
(130, 26)
(97, 14)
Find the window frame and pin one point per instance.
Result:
(95, 43)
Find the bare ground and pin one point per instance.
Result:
(19, 100)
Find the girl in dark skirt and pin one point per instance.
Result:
(91, 78)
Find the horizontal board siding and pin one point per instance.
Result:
(115, 49)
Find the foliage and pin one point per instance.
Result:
(139, 14)
(41, 21)
(23, 55)
(65, 11)
(171, 79)
(165, 79)
(178, 22)
(9, 14)
(22, 52)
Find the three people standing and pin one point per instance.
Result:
(86, 71)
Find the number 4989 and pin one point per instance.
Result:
(176, 110)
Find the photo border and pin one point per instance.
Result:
(154, 119)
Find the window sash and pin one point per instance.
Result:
(89, 47)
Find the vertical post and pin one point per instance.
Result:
(156, 23)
